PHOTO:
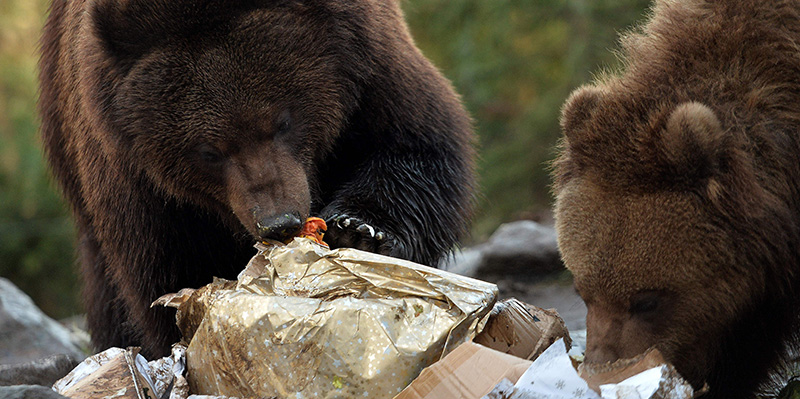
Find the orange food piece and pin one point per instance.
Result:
(315, 229)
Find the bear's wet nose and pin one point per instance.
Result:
(279, 227)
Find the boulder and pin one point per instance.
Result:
(522, 248)
(28, 392)
(27, 337)
(38, 372)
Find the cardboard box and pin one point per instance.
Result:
(514, 333)
(522, 330)
(469, 371)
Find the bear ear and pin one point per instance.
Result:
(577, 111)
(694, 140)
(127, 28)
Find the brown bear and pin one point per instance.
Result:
(678, 193)
(182, 130)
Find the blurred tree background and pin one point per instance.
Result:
(36, 235)
(513, 61)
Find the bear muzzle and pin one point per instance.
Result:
(279, 227)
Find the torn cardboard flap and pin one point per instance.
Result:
(648, 375)
(470, 371)
(522, 330)
(597, 374)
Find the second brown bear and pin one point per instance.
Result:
(678, 193)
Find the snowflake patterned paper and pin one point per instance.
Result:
(552, 376)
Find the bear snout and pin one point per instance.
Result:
(279, 227)
(601, 354)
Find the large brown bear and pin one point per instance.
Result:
(182, 130)
(678, 193)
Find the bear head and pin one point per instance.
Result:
(665, 227)
(228, 105)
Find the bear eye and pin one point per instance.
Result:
(210, 154)
(645, 302)
(283, 123)
(284, 127)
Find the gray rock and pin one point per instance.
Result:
(39, 372)
(522, 259)
(519, 248)
(523, 247)
(27, 334)
(28, 392)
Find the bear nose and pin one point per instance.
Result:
(279, 227)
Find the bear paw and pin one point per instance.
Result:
(352, 232)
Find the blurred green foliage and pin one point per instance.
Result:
(36, 235)
(513, 61)
(791, 390)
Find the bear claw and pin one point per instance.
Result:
(352, 232)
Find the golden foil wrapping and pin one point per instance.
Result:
(303, 321)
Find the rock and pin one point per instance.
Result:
(522, 258)
(27, 334)
(523, 247)
(39, 372)
(28, 392)
(520, 248)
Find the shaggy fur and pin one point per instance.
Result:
(179, 130)
(678, 195)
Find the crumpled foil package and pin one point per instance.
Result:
(124, 373)
(303, 321)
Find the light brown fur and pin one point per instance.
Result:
(678, 193)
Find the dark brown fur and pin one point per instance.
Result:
(175, 127)
(678, 193)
